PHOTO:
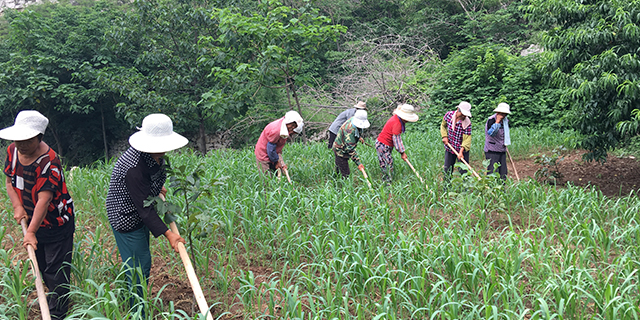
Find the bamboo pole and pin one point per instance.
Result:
(366, 177)
(464, 161)
(191, 273)
(513, 165)
(42, 298)
(414, 170)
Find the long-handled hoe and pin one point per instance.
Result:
(286, 173)
(191, 273)
(42, 299)
(414, 170)
(366, 177)
(463, 161)
(513, 165)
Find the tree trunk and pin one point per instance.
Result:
(295, 96)
(104, 136)
(202, 138)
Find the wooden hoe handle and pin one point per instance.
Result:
(513, 165)
(465, 162)
(191, 273)
(366, 177)
(286, 173)
(42, 299)
(414, 170)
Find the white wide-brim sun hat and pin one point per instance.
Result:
(156, 135)
(360, 119)
(502, 108)
(406, 113)
(465, 108)
(28, 124)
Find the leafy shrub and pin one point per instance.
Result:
(486, 75)
(549, 171)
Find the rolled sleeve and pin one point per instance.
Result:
(466, 142)
(494, 129)
(397, 143)
(272, 153)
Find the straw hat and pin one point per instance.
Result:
(156, 135)
(502, 108)
(360, 105)
(406, 113)
(360, 119)
(294, 116)
(465, 108)
(28, 124)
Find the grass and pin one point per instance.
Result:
(324, 247)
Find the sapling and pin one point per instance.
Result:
(188, 186)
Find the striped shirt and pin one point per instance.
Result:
(44, 174)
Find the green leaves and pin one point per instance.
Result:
(593, 50)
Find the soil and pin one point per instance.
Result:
(617, 176)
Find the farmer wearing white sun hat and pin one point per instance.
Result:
(269, 147)
(38, 192)
(344, 146)
(138, 174)
(497, 138)
(389, 138)
(341, 119)
(455, 129)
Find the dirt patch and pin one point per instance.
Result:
(618, 176)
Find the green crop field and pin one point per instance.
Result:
(328, 248)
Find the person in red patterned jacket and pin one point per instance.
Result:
(38, 192)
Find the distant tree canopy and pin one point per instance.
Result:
(593, 51)
(50, 61)
(96, 68)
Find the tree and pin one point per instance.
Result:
(593, 53)
(165, 72)
(272, 45)
(52, 56)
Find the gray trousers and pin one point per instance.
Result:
(499, 158)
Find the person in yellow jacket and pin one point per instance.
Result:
(455, 130)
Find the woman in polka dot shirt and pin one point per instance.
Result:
(138, 174)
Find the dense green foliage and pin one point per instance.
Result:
(222, 69)
(488, 75)
(51, 62)
(593, 53)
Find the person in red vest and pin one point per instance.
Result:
(390, 138)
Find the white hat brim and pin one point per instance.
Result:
(466, 113)
(500, 110)
(149, 144)
(361, 124)
(18, 133)
(410, 117)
